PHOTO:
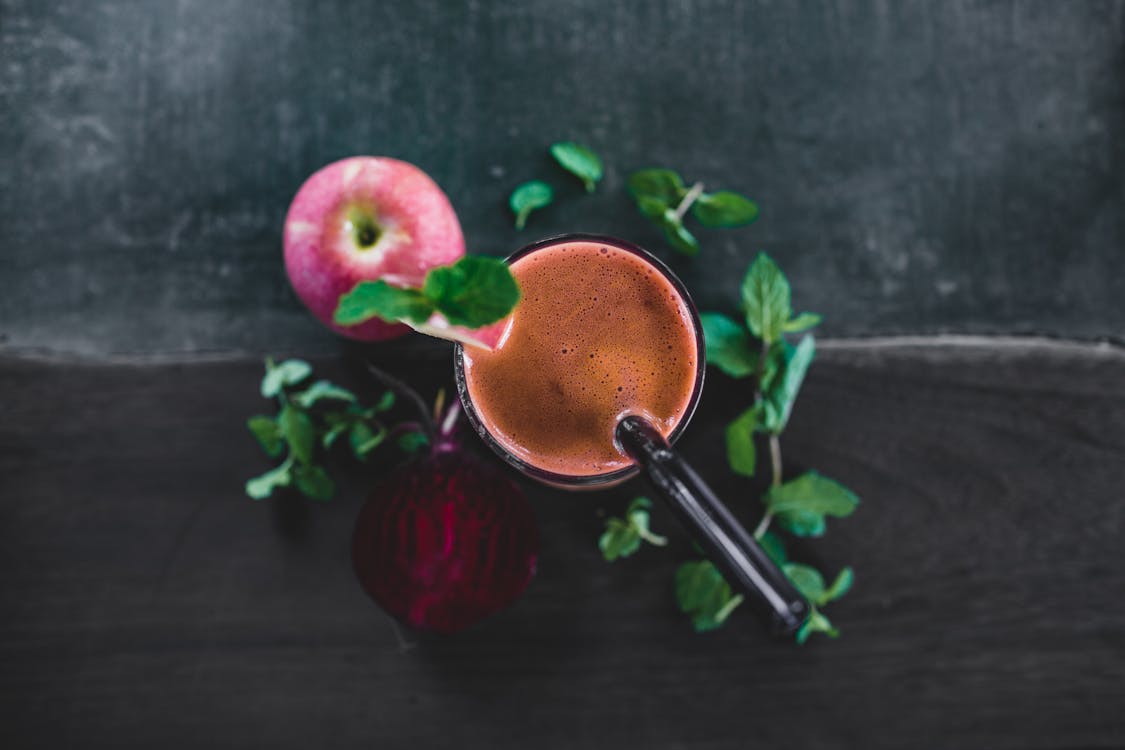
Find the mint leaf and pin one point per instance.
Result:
(724, 209)
(623, 537)
(840, 586)
(765, 298)
(527, 198)
(801, 504)
(661, 186)
(413, 441)
(322, 389)
(474, 291)
(781, 393)
(364, 440)
(580, 162)
(802, 322)
(314, 482)
(817, 623)
(814, 493)
(728, 345)
(290, 372)
(702, 593)
(298, 431)
(619, 540)
(678, 237)
(741, 454)
(653, 208)
(263, 486)
(807, 580)
(386, 402)
(371, 299)
(773, 546)
(338, 424)
(268, 433)
(802, 523)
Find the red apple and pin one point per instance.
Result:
(367, 218)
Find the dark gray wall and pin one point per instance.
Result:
(922, 167)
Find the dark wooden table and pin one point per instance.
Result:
(145, 602)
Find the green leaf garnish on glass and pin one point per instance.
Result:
(473, 292)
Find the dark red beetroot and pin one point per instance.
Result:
(446, 540)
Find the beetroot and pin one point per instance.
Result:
(446, 540)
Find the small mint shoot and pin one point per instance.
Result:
(310, 420)
(623, 536)
(662, 197)
(741, 453)
(580, 161)
(528, 197)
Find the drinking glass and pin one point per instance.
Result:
(725, 541)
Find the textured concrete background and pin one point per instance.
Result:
(922, 167)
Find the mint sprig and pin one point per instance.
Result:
(473, 292)
(580, 161)
(623, 536)
(759, 351)
(309, 421)
(662, 196)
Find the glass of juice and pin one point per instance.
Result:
(598, 372)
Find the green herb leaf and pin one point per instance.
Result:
(322, 389)
(741, 454)
(802, 523)
(661, 187)
(529, 197)
(817, 623)
(781, 393)
(728, 345)
(412, 441)
(702, 593)
(774, 547)
(580, 162)
(298, 431)
(261, 487)
(371, 299)
(386, 402)
(364, 440)
(807, 580)
(765, 298)
(474, 291)
(290, 372)
(724, 209)
(801, 504)
(840, 586)
(653, 208)
(802, 322)
(314, 482)
(338, 425)
(618, 540)
(268, 433)
(623, 537)
(678, 237)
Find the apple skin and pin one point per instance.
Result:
(361, 219)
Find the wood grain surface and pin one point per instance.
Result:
(922, 167)
(145, 602)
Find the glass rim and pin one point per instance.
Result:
(617, 475)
